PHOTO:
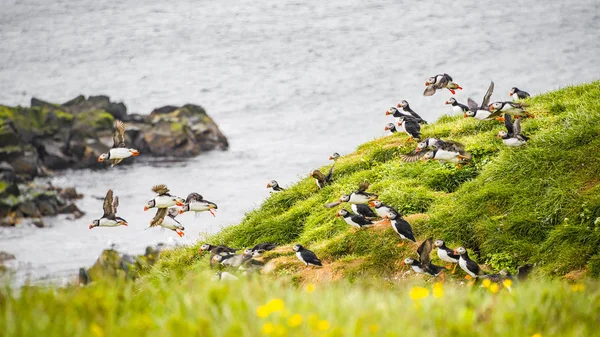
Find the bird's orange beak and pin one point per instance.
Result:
(455, 253)
(181, 211)
(123, 223)
(91, 226)
(427, 83)
(371, 203)
(404, 264)
(145, 208)
(330, 158)
(337, 215)
(179, 203)
(399, 124)
(100, 159)
(387, 112)
(386, 129)
(464, 115)
(180, 233)
(398, 105)
(268, 185)
(417, 150)
(447, 102)
(212, 212)
(310, 175)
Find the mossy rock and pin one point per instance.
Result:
(95, 119)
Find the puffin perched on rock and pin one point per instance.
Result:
(438, 82)
(517, 94)
(512, 136)
(482, 112)
(196, 203)
(512, 108)
(410, 126)
(165, 217)
(382, 209)
(407, 109)
(275, 186)
(118, 152)
(402, 227)
(457, 108)
(390, 127)
(354, 220)
(109, 218)
(306, 256)
(424, 265)
(446, 254)
(469, 266)
(164, 199)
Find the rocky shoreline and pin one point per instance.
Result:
(39, 140)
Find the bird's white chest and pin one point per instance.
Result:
(513, 142)
(164, 201)
(417, 269)
(482, 114)
(119, 153)
(108, 223)
(463, 265)
(170, 223)
(299, 256)
(198, 207)
(443, 255)
(351, 223)
(383, 211)
(358, 199)
(447, 156)
(457, 109)
(515, 97)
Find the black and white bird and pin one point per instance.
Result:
(405, 107)
(335, 156)
(512, 136)
(109, 218)
(354, 220)
(410, 126)
(424, 265)
(432, 144)
(165, 217)
(482, 112)
(402, 227)
(457, 108)
(260, 248)
(456, 156)
(469, 266)
(382, 209)
(517, 94)
(164, 199)
(512, 108)
(390, 127)
(306, 256)
(118, 152)
(275, 186)
(225, 276)
(360, 196)
(521, 275)
(438, 82)
(446, 254)
(196, 203)
(321, 179)
(216, 250)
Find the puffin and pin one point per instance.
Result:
(109, 218)
(512, 136)
(457, 156)
(446, 254)
(469, 266)
(196, 203)
(438, 82)
(522, 274)
(165, 217)
(390, 127)
(360, 196)
(432, 144)
(482, 112)
(275, 186)
(118, 152)
(517, 94)
(164, 199)
(515, 109)
(402, 227)
(260, 248)
(457, 108)
(335, 156)
(216, 250)
(424, 265)
(410, 126)
(306, 256)
(353, 220)
(321, 179)
(395, 113)
(221, 258)
(406, 108)
(234, 261)
(382, 209)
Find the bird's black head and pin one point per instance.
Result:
(408, 261)
(451, 101)
(513, 90)
(342, 212)
(390, 127)
(297, 247)
(391, 111)
(149, 204)
(334, 156)
(403, 104)
(272, 184)
(95, 223)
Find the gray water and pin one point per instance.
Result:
(288, 82)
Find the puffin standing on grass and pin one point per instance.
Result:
(360, 196)
(456, 156)
(306, 256)
(382, 209)
(164, 199)
(424, 265)
(469, 266)
(512, 136)
(260, 248)
(406, 108)
(354, 220)
(196, 203)
(390, 127)
(517, 94)
(118, 152)
(457, 108)
(335, 156)
(165, 217)
(402, 227)
(482, 112)
(109, 218)
(275, 186)
(446, 254)
(410, 126)
(438, 82)
(320, 179)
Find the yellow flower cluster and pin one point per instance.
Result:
(578, 287)
(495, 287)
(293, 321)
(275, 305)
(419, 293)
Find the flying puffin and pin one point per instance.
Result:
(165, 217)
(164, 199)
(482, 112)
(410, 126)
(424, 265)
(390, 127)
(512, 136)
(196, 203)
(468, 265)
(402, 227)
(275, 186)
(457, 156)
(382, 209)
(335, 156)
(515, 109)
(321, 179)
(438, 82)
(109, 218)
(446, 254)
(406, 108)
(306, 256)
(353, 220)
(517, 94)
(118, 152)
(457, 108)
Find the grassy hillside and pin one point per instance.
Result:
(538, 204)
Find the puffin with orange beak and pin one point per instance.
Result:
(109, 218)
(196, 203)
(438, 82)
(354, 220)
(118, 152)
(275, 186)
(165, 217)
(424, 265)
(469, 266)
(320, 179)
(390, 127)
(382, 209)
(402, 227)
(482, 112)
(517, 94)
(410, 126)
(335, 156)
(514, 109)
(512, 136)
(407, 109)
(164, 199)
(457, 108)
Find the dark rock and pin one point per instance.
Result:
(25, 167)
(84, 277)
(29, 209)
(54, 158)
(75, 101)
(70, 209)
(137, 118)
(164, 110)
(4, 256)
(37, 222)
(69, 193)
(118, 110)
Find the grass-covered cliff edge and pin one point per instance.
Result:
(536, 204)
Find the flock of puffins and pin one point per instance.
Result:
(366, 207)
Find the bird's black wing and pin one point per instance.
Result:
(416, 115)
(523, 94)
(463, 107)
(432, 269)
(108, 205)
(115, 205)
(360, 220)
(424, 251)
(365, 211)
(159, 217)
(472, 105)
(160, 189)
(193, 197)
(405, 229)
(119, 134)
(412, 127)
(429, 91)
(509, 126)
(474, 267)
(447, 77)
(412, 157)
(524, 271)
(265, 246)
(310, 257)
(488, 95)
(329, 174)
(517, 127)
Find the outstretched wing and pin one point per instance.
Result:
(330, 173)
(362, 187)
(412, 157)
(108, 202)
(472, 105)
(488, 95)
(193, 197)
(451, 145)
(447, 77)
(160, 189)
(159, 217)
(424, 251)
(509, 125)
(517, 127)
(119, 135)
(429, 91)
(115, 204)
(332, 204)
(173, 211)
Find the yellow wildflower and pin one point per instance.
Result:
(486, 283)
(494, 287)
(373, 328)
(268, 328)
(275, 305)
(310, 288)
(438, 290)
(96, 330)
(578, 287)
(536, 335)
(280, 330)
(417, 293)
(507, 283)
(323, 325)
(263, 311)
(295, 320)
